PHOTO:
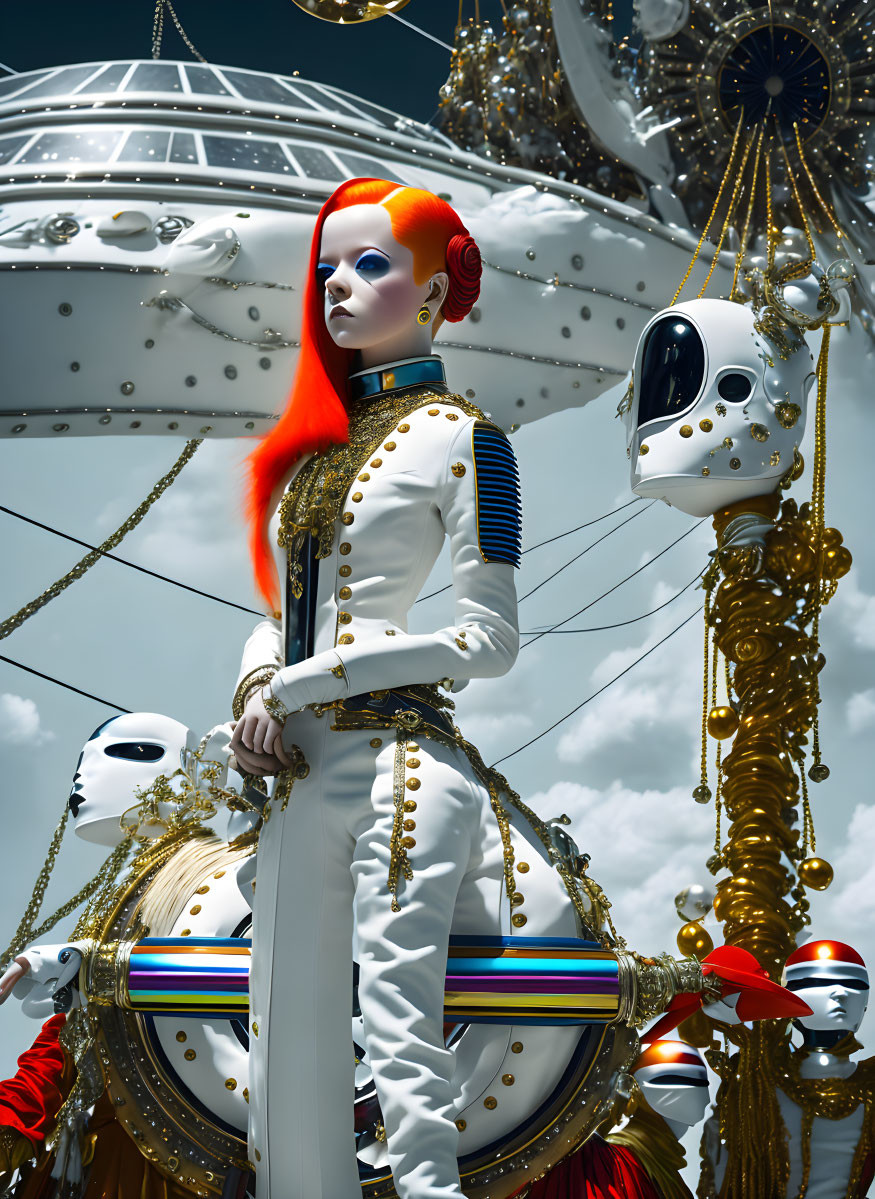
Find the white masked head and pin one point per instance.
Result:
(674, 1081)
(126, 753)
(716, 410)
(833, 980)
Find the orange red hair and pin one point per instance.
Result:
(315, 415)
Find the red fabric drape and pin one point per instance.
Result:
(597, 1171)
(30, 1101)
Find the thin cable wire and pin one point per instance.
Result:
(437, 41)
(577, 528)
(591, 546)
(601, 628)
(537, 546)
(51, 679)
(124, 562)
(611, 590)
(600, 691)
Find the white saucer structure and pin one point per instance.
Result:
(155, 220)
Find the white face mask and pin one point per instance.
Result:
(835, 1004)
(123, 755)
(716, 411)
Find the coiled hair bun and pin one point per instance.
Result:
(464, 267)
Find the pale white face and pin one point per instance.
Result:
(371, 297)
(126, 753)
(835, 1004)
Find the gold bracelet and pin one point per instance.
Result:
(254, 681)
(274, 706)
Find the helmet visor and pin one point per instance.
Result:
(672, 369)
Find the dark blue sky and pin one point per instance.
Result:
(379, 60)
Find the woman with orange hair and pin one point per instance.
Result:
(390, 830)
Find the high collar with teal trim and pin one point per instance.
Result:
(393, 376)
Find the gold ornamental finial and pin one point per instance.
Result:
(350, 12)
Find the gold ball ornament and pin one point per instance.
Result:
(722, 723)
(816, 873)
(694, 941)
(349, 12)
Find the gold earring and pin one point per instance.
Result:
(423, 316)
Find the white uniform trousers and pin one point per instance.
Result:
(322, 864)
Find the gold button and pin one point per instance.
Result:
(452, 416)
(491, 1102)
(413, 784)
(345, 639)
(458, 469)
(643, 449)
(390, 632)
(413, 763)
(377, 462)
(388, 380)
(202, 890)
(245, 1093)
(186, 932)
(363, 478)
(357, 498)
(412, 746)
(523, 867)
(344, 618)
(706, 425)
(409, 826)
(230, 1084)
(194, 911)
(518, 899)
(390, 445)
(433, 411)
(302, 770)
(461, 644)
(461, 1125)
(376, 742)
(345, 547)
(219, 874)
(255, 1027)
(507, 1079)
(404, 428)
(408, 842)
(518, 919)
(257, 1156)
(344, 571)
(410, 805)
(516, 1047)
(181, 1036)
(345, 592)
(347, 518)
(190, 1055)
(686, 430)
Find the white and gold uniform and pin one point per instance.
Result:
(377, 799)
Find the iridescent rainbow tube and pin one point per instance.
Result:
(490, 980)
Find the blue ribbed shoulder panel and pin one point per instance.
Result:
(499, 511)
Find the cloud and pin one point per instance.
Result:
(645, 845)
(857, 611)
(846, 912)
(20, 721)
(644, 729)
(860, 711)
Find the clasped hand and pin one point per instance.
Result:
(257, 741)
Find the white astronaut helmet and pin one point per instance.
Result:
(832, 978)
(673, 1078)
(124, 754)
(718, 406)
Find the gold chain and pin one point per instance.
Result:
(823, 204)
(712, 214)
(747, 219)
(812, 253)
(158, 30)
(730, 212)
(770, 225)
(23, 934)
(17, 620)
